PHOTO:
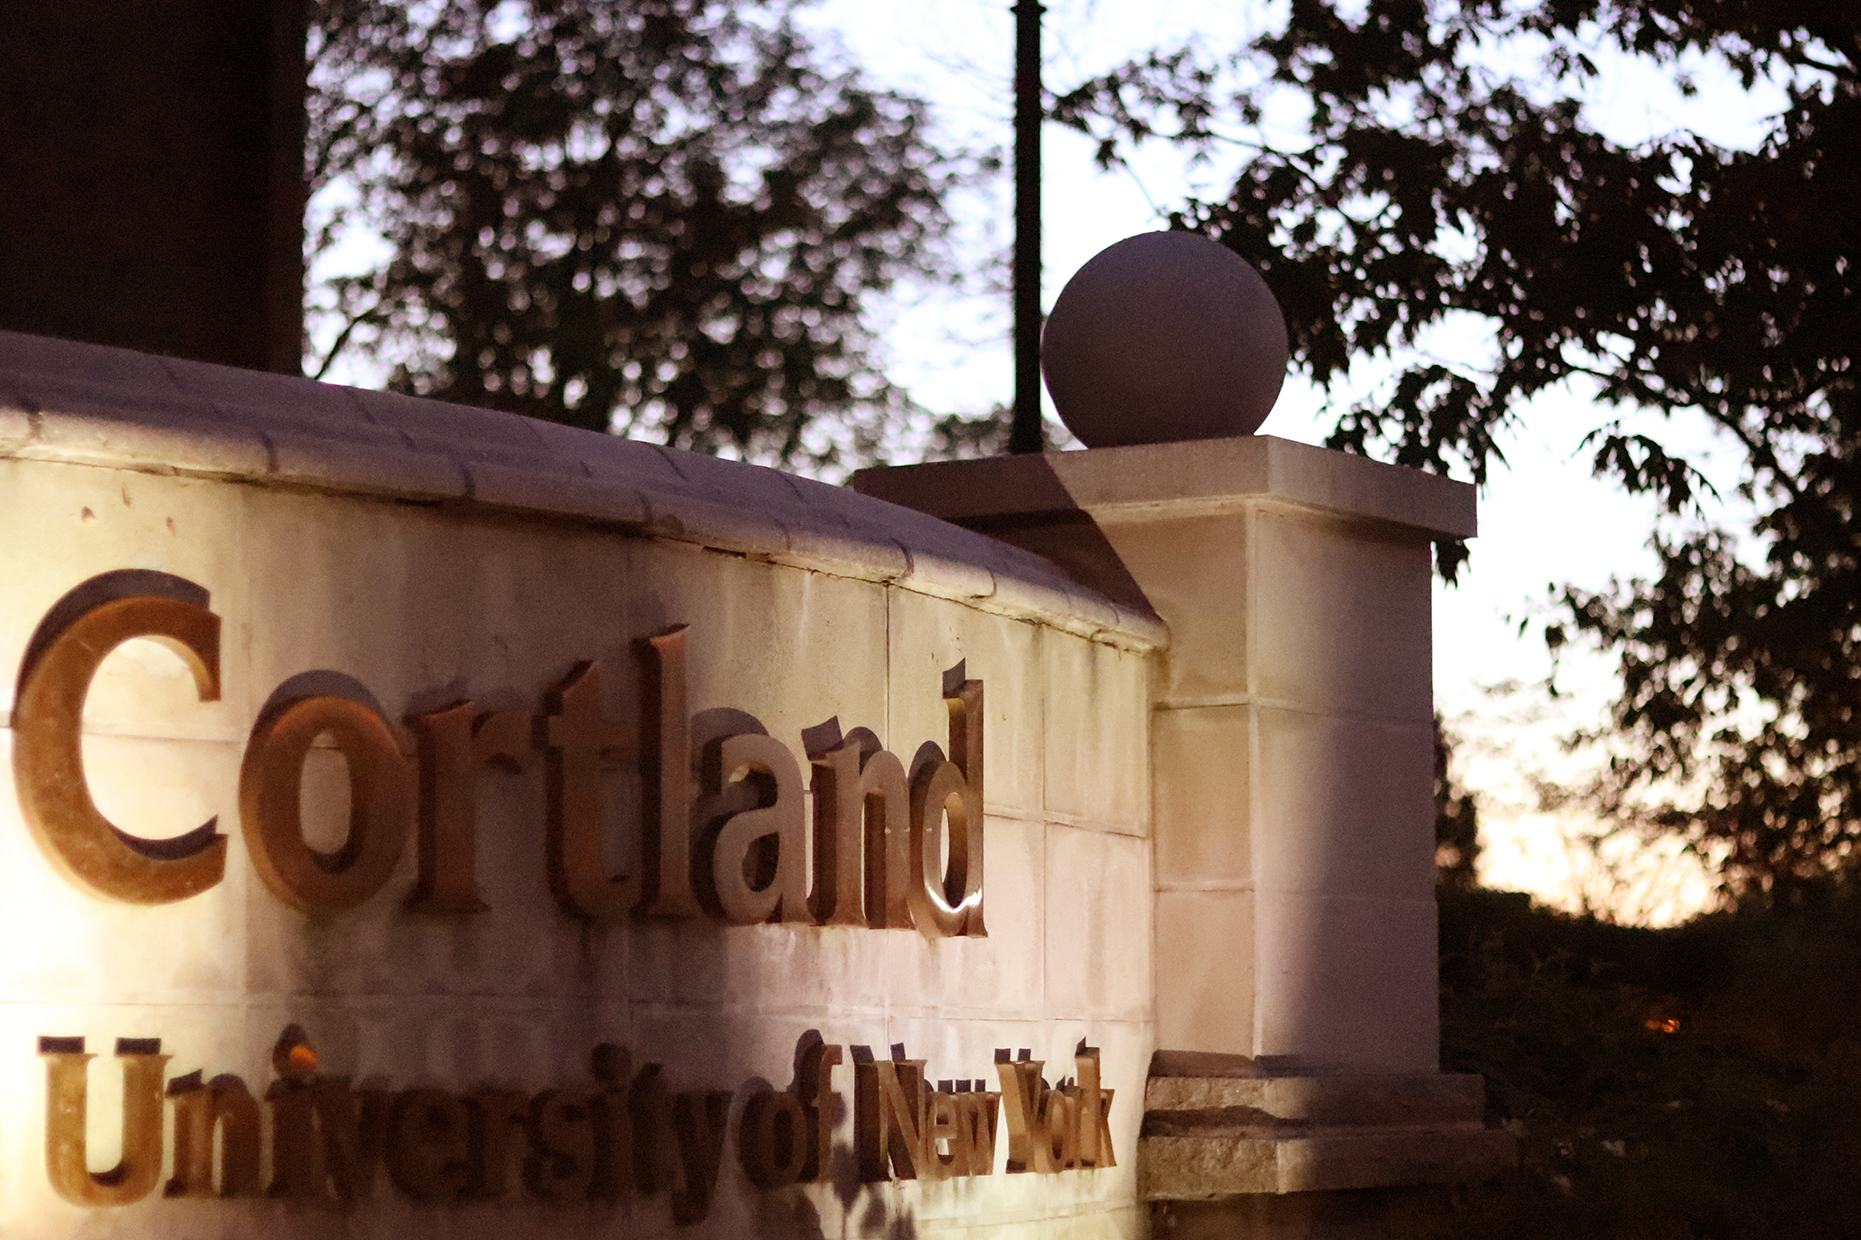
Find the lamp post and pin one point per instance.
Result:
(1025, 434)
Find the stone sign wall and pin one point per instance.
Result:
(427, 821)
(432, 970)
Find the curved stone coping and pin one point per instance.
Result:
(92, 405)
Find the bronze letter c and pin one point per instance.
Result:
(48, 755)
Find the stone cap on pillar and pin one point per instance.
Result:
(1055, 504)
(1206, 472)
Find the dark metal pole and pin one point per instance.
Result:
(1025, 435)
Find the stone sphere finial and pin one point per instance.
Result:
(1164, 336)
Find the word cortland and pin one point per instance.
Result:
(732, 843)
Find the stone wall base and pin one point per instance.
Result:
(1236, 1140)
(1360, 1214)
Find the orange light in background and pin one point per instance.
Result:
(1664, 1024)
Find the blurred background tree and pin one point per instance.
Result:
(1445, 173)
(661, 217)
(670, 218)
(1457, 822)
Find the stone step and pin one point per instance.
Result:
(1191, 1168)
(1325, 1099)
(1212, 1137)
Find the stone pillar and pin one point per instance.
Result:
(1291, 767)
(153, 158)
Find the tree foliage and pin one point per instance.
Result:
(663, 215)
(1433, 185)
(1699, 1082)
